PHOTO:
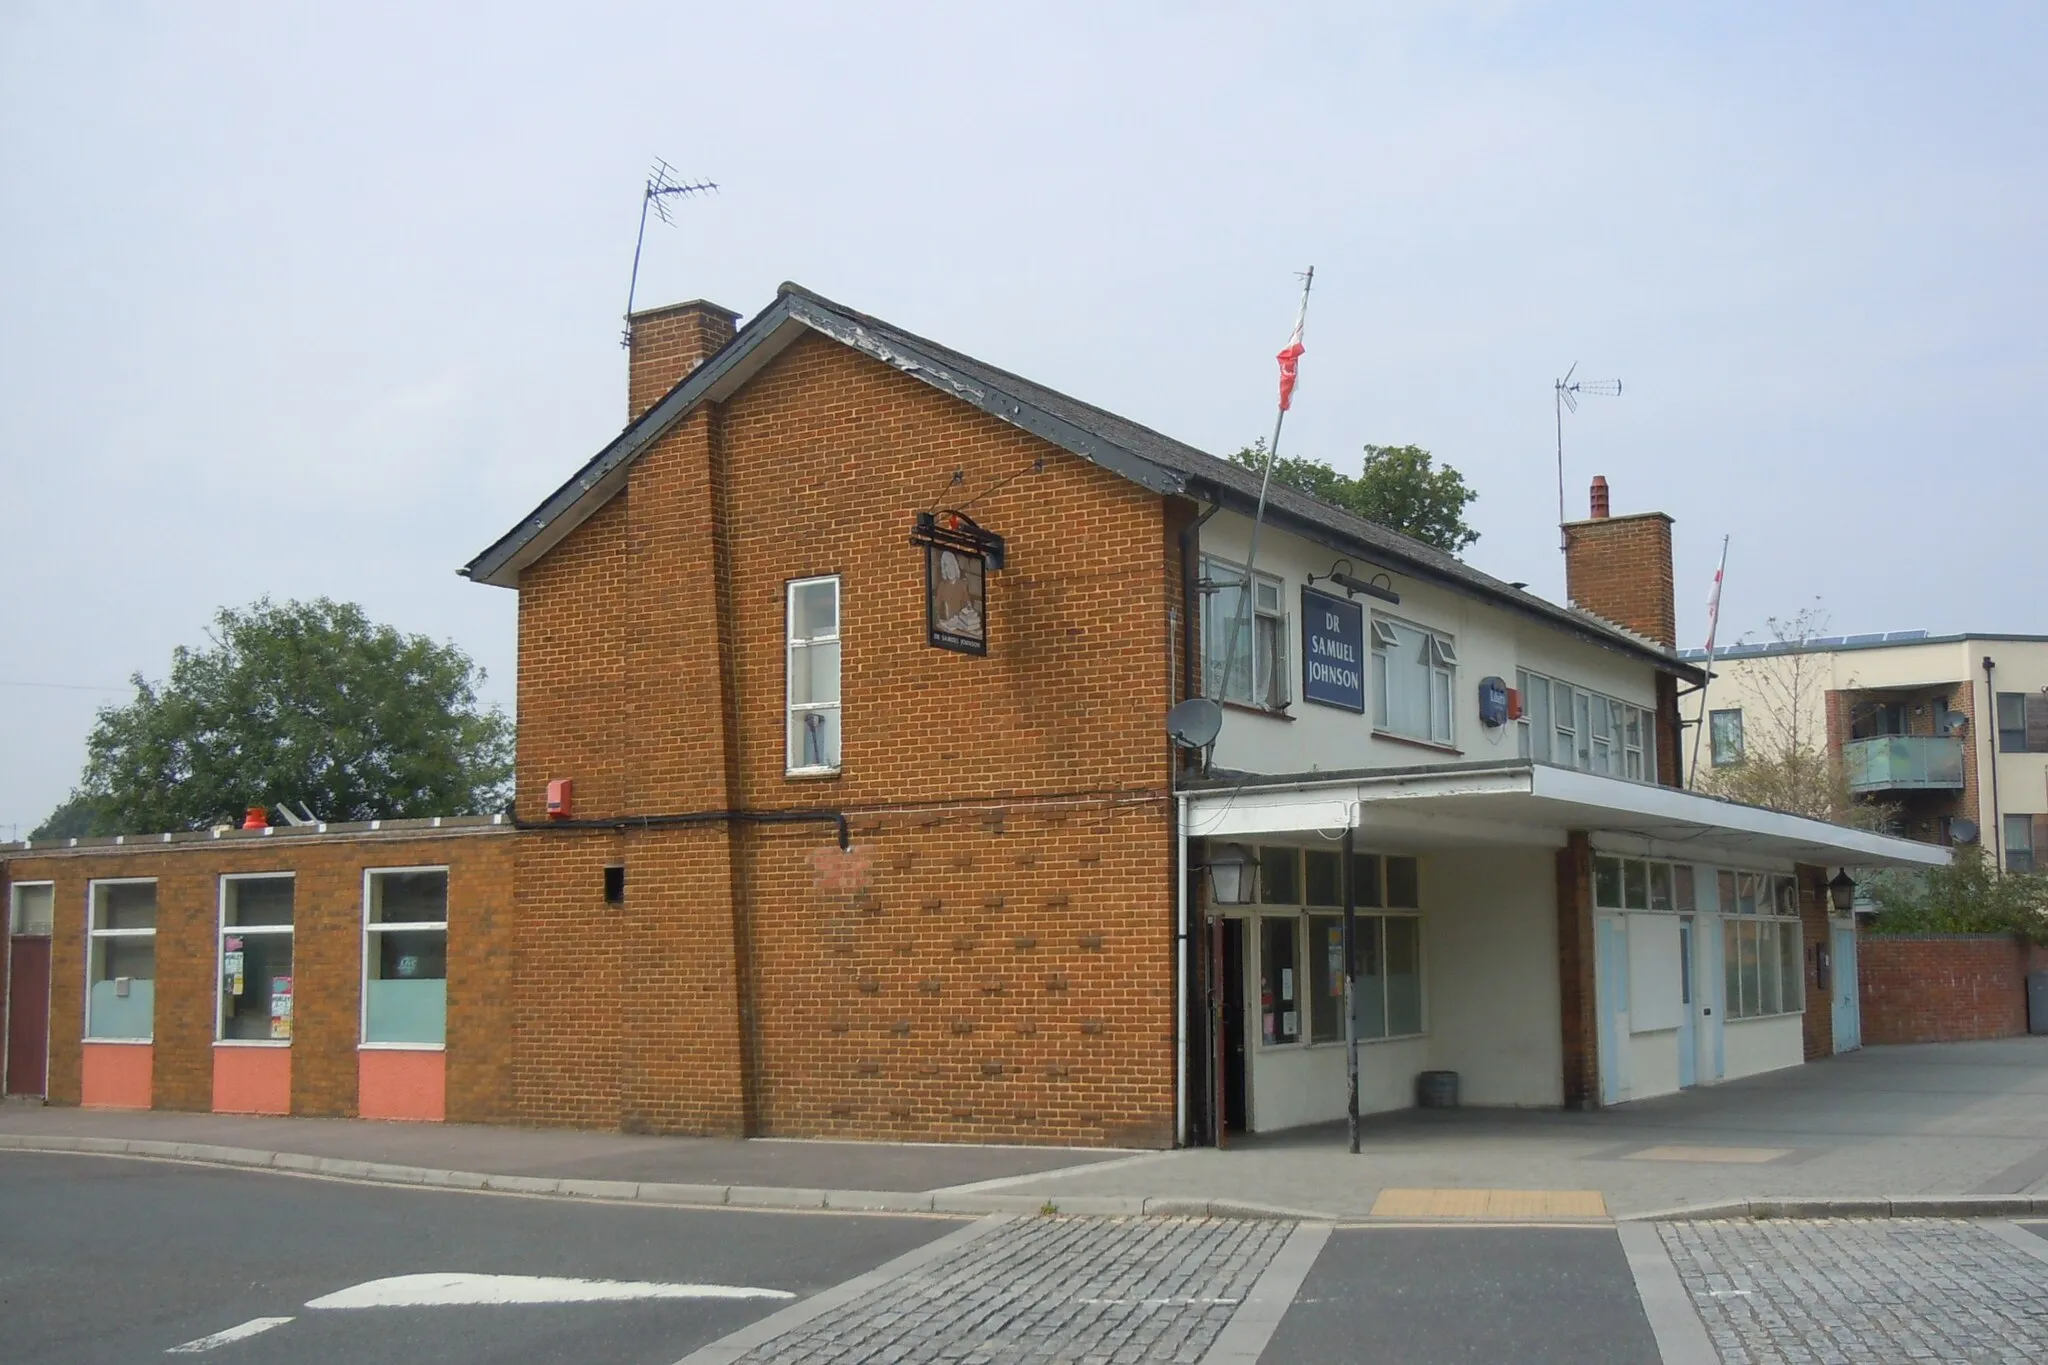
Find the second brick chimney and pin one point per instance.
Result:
(1620, 568)
(668, 343)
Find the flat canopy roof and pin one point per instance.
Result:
(1521, 802)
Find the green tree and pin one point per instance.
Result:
(305, 702)
(1969, 896)
(1399, 487)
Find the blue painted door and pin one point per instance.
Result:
(1848, 997)
(1688, 1034)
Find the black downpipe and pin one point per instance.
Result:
(703, 817)
(1991, 742)
(1191, 1030)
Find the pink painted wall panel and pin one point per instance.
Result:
(252, 1080)
(116, 1075)
(402, 1085)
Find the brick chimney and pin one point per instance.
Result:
(1620, 568)
(670, 342)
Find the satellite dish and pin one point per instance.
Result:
(1963, 831)
(1194, 723)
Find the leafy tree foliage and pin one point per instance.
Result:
(1969, 896)
(302, 702)
(1399, 487)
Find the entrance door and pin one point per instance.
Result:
(1236, 1110)
(1848, 997)
(28, 990)
(1688, 1033)
(1610, 972)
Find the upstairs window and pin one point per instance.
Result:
(1243, 660)
(1724, 733)
(1412, 672)
(2019, 843)
(2023, 722)
(813, 634)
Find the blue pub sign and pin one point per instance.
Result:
(1332, 650)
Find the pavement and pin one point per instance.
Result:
(1947, 1129)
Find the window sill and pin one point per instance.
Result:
(1269, 712)
(1763, 1018)
(120, 1042)
(811, 774)
(401, 1047)
(1414, 743)
(252, 1042)
(1339, 1042)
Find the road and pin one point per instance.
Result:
(105, 1259)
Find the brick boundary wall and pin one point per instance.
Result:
(1944, 988)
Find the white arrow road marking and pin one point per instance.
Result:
(247, 1329)
(451, 1288)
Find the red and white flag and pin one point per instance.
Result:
(1290, 360)
(1714, 599)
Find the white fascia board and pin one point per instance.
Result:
(1240, 814)
(1678, 807)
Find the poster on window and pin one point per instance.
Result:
(956, 599)
(231, 969)
(281, 1007)
(1332, 651)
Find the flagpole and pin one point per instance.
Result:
(1713, 632)
(1249, 587)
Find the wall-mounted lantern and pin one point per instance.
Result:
(1232, 873)
(1842, 892)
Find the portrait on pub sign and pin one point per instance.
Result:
(956, 600)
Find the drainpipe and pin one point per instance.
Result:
(1180, 980)
(1991, 739)
(1191, 595)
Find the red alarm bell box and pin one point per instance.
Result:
(561, 797)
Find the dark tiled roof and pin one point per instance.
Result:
(1128, 448)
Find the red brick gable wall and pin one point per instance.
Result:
(994, 958)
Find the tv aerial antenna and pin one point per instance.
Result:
(662, 186)
(1566, 394)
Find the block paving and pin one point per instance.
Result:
(1848, 1291)
(1052, 1289)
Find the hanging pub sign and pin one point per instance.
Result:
(958, 556)
(1332, 651)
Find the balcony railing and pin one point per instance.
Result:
(1904, 763)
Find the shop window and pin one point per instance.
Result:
(1761, 945)
(255, 959)
(1365, 880)
(1404, 884)
(1253, 646)
(1607, 883)
(1389, 990)
(1325, 978)
(1684, 894)
(1660, 886)
(121, 960)
(1635, 884)
(813, 634)
(1724, 737)
(1279, 875)
(1413, 674)
(405, 957)
(1322, 878)
(1279, 1008)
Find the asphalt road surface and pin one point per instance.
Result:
(106, 1260)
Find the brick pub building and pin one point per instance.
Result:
(846, 807)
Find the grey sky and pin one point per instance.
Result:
(309, 304)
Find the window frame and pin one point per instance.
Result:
(14, 911)
(2012, 738)
(371, 928)
(1277, 694)
(1439, 665)
(2024, 845)
(1372, 911)
(1738, 751)
(1609, 723)
(220, 939)
(792, 707)
(94, 934)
